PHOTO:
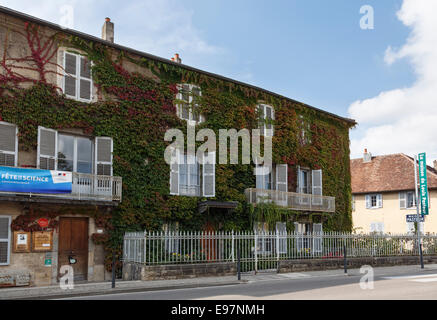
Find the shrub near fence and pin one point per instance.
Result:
(262, 251)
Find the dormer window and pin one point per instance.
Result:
(187, 106)
(266, 118)
(77, 82)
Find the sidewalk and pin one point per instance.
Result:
(84, 289)
(98, 288)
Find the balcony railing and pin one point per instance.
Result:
(86, 187)
(291, 200)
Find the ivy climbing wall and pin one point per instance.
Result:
(136, 107)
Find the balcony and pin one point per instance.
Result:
(85, 187)
(291, 200)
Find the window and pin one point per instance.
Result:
(172, 239)
(77, 77)
(264, 238)
(189, 177)
(187, 108)
(5, 239)
(281, 230)
(66, 152)
(373, 201)
(407, 200)
(377, 227)
(310, 182)
(8, 144)
(305, 129)
(274, 178)
(75, 154)
(266, 119)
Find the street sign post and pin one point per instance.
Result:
(424, 210)
(419, 244)
(413, 218)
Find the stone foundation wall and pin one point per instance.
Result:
(137, 271)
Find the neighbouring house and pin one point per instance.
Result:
(79, 107)
(383, 195)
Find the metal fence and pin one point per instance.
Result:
(262, 251)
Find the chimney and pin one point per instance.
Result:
(367, 156)
(176, 58)
(108, 30)
(435, 164)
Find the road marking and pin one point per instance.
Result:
(425, 280)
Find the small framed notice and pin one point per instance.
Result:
(42, 241)
(21, 241)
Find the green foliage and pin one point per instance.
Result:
(136, 112)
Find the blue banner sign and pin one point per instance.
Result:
(413, 218)
(34, 180)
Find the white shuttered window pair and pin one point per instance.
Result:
(77, 82)
(189, 178)
(8, 144)
(407, 200)
(266, 119)
(5, 239)
(187, 108)
(374, 201)
(74, 153)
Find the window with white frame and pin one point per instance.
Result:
(305, 137)
(8, 144)
(266, 120)
(310, 182)
(374, 201)
(377, 227)
(407, 200)
(188, 106)
(192, 177)
(5, 239)
(67, 152)
(77, 82)
(264, 238)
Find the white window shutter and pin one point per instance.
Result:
(402, 200)
(317, 237)
(70, 77)
(282, 177)
(298, 180)
(5, 239)
(368, 201)
(316, 185)
(174, 172)
(261, 112)
(8, 144)
(47, 150)
(372, 227)
(379, 200)
(208, 175)
(103, 152)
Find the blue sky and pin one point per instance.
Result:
(313, 51)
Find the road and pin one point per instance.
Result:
(389, 283)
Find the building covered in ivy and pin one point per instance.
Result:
(94, 113)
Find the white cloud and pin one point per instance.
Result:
(404, 119)
(161, 27)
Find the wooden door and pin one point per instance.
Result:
(73, 246)
(209, 246)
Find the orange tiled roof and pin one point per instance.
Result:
(394, 172)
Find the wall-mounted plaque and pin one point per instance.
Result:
(42, 241)
(21, 241)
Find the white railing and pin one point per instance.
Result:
(291, 200)
(87, 187)
(260, 251)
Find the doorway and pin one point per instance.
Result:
(73, 246)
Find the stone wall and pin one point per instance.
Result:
(137, 271)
